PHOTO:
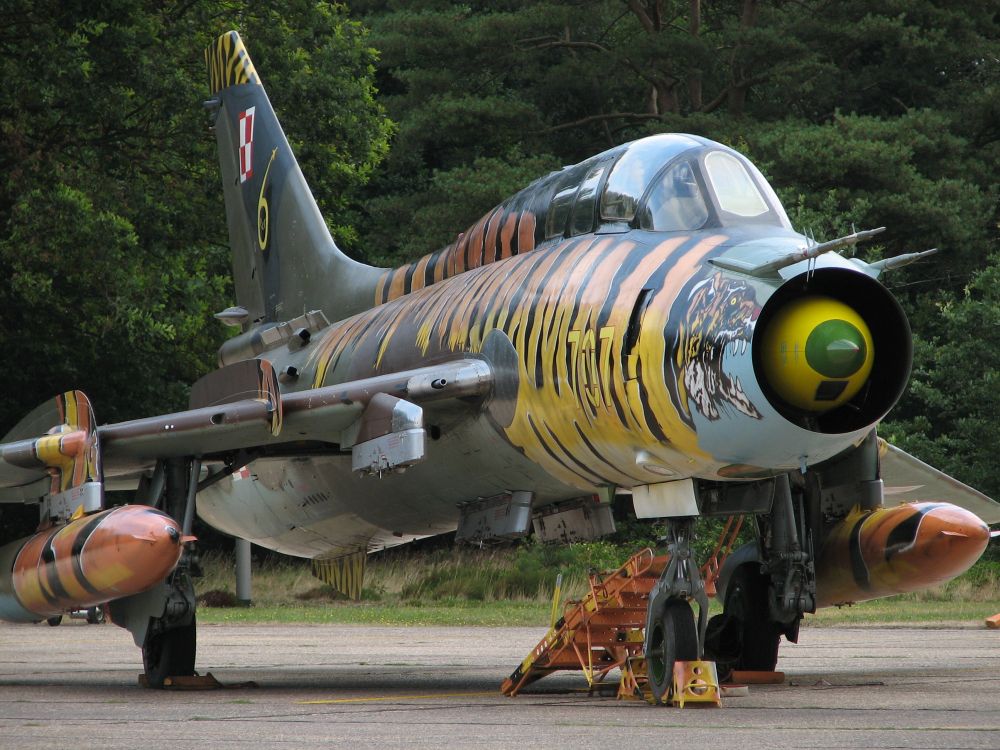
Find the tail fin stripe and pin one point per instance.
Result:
(277, 236)
(228, 63)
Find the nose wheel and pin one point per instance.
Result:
(673, 637)
(671, 632)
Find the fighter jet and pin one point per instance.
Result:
(644, 323)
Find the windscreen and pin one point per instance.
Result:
(735, 190)
(675, 203)
(634, 170)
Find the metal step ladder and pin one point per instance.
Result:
(599, 633)
(606, 630)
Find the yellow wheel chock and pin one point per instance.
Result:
(695, 682)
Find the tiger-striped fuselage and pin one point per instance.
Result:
(634, 365)
(615, 302)
(592, 369)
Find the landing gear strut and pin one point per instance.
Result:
(670, 629)
(162, 619)
(171, 639)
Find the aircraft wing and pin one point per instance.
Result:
(237, 408)
(909, 479)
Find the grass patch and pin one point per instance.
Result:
(513, 586)
(400, 577)
(907, 610)
(455, 613)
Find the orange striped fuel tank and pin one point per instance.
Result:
(875, 553)
(87, 562)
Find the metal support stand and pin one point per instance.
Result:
(243, 571)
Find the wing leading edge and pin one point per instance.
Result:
(908, 479)
(241, 421)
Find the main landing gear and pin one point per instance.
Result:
(744, 637)
(771, 584)
(169, 653)
(170, 645)
(162, 619)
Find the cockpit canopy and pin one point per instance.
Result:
(664, 183)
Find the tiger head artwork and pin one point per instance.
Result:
(717, 315)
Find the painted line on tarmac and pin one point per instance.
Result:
(398, 698)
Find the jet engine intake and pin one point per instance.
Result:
(832, 350)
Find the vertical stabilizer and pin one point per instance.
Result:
(285, 262)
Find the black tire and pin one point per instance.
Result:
(674, 637)
(53, 621)
(746, 604)
(169, 653)
(95, 615)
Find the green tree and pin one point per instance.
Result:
(911, 173)
(113, 242)
(950, 417)
(837, 99)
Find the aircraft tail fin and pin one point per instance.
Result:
(285, 262)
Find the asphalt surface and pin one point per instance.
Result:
(75, 686)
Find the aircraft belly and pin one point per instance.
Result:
(316, 506)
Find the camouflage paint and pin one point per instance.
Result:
(870, 554)
(345, 574)
(95, 559)
(228, 63)
(587, 399)
(503, 232)
(69, 452)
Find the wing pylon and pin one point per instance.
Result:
(236, 408)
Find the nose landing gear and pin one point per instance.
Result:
(671, 635)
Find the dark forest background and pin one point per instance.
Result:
(411, 119)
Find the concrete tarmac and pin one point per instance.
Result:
(75, 686)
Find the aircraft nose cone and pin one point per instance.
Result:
(836, 349)
(816, 353)
(887, 551)
(955, 535)
(946, 541)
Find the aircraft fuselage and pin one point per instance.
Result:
(622, 359)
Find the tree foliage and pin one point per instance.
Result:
(113, 242)
(114, 249)
(951, 419)
(872, 113)
(861, 113)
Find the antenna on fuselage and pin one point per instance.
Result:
(899, 261)
(771, 268)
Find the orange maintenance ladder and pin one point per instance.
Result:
(603, 631)
(606, 630)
